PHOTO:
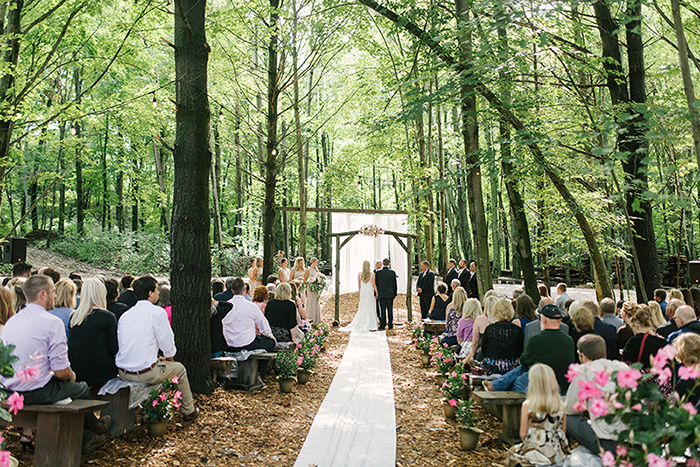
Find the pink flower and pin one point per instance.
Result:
(175, 380)
(588, 390)
(29, 373)
(628, 378)
(154, 403)
(580, 406)
(574, 371)
(16, 402)
(621, 451)
(690, 408)
(598, 407)
(601, 377)
(300, 360)
(163, 396)
(669, 352)
(36, 356)
(656, 461)
(637, 407)
(465, 376)
(452, 402)
(692, 463)
(608, 459)
(177, 396)
(688, 372)
(664, 375)
(4, 458)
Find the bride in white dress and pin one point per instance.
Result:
(366, 317)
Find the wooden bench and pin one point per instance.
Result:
(504, 405)
(436, 327)
(59, 430)
(123, 418)
(247, 377)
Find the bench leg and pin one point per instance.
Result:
(510, 431)
(247, 376)
(123, 418)
(59, 440)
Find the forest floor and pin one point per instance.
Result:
(238, 428)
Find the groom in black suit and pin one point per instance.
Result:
(425, 288)
(452, 273)
(387, 288)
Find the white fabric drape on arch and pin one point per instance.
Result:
(362, 248)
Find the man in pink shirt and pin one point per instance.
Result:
(43, 374)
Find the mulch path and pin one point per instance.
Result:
(265, 428)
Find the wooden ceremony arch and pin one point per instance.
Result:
(408, 248)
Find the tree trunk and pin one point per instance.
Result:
(135, 182)
(495, 235)
(238, 230)
(216, 188)
(62, 186)
(271, 164)
(79, 196)
(441, 194)
(105, 193)
(470, 133)
(190, 262)
(303, 198)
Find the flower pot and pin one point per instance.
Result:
(157, 429)
(425, 359)
(13, 462)
(303, 376)
(468, 438)
(450, 412)
(286, 385)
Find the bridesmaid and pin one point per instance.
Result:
(299, 270)
(313, 306)
(284, 272)
(253, 275)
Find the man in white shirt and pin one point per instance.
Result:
(142, 331)
(240, 323)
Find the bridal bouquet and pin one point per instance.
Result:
(371, 230)
(315, 284)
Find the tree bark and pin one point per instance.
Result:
(79, 196)
(105, 193)
(216, 188)
(190, 261)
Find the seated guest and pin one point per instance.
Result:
(117, 308)
(583, 320)
(657, 317)
(518, 292)
(164, 300)
(676, 294)
(686, 322)
(543, 290)
(92, 340)
(688, 297)
(666, 329)
(217, 286)
(271, 281)
(65, 301)
(471, 310)
(281, 313)
(454, 284)
(625, 332)
(454, 315)
(296, 298)
(695, 293)
(524, 311)
(261, 297)
(18, 299)
(52, 273)
(533, 328)
(688, 348)
(36, 332)
(593, 432)
(142, 332)
(502, 343)
(127, 294)
(539, 350)
(439, 302)
(604, 330)
(660, 298)
(607, 307)
(227, 294)
(247, 293)
(6, 311)
(78, 287)
(240, 323)
(641, 347)
(480, 325)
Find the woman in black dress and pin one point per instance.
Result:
(438, 305)
(92, 339)
(281, 313)
(641, 347)
(502, 343)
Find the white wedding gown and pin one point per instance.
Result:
(366, 317)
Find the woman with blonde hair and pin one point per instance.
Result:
(454, 315)
(313, 304)
(6, 311)
(64, 303)
(645, 343)
(542, 422)
(366, 317)
(18, 299)
(677, 294)
(481, 322)
(92, 340)
(502, 342)
(688, 347)
(657, 316)
(299, 269)
(281, 313)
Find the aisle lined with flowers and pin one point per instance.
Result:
(356, 424)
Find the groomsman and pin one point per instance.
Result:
(473, 286)
(452, 273)
(464, 275)
(425, 288)
(377, 267)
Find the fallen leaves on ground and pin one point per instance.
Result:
(237, 428)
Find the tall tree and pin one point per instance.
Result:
(190, 262)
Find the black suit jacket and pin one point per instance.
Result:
(464, 276)
(608, 332)
(426, 282)
(387, 283)
(451, 274)
(224, 296)
(473, 287)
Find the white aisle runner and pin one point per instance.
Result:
(356, 424)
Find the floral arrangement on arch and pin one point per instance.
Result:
(162, 401)
(315, 284)
(371, 230)
(14, 399)
(658, 432)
